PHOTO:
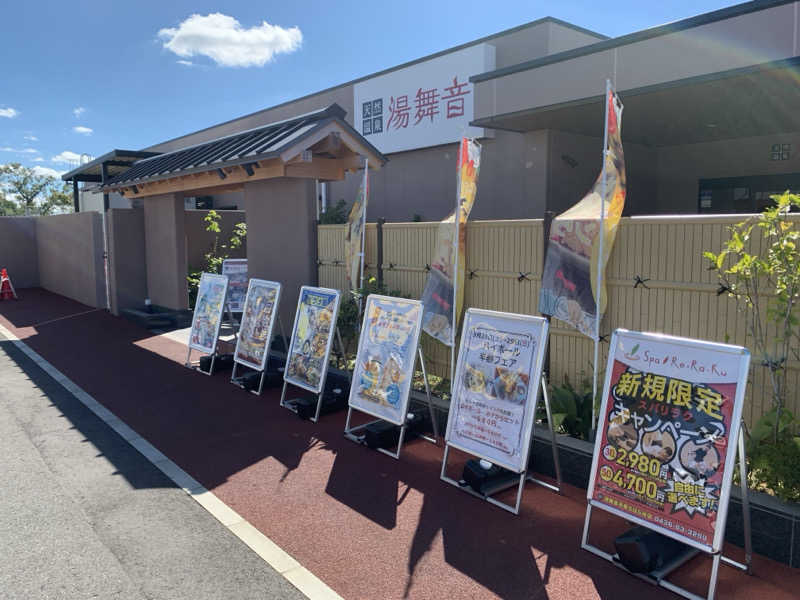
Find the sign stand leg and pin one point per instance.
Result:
(434, 424)
(283, 396)
(188, 363)
(553, 442)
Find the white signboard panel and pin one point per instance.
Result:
(236, 270)
(496, 386)
(208, 310)
(425, 104)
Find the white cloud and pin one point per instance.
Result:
(83, 130)
(31, 138)
(186, 63)
(18, 150)
(223, 39)
(66, 157)
(78, 111)
(38, 159)
(9, 112)
(48, 171)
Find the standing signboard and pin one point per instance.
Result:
(258, 318)
(496, 390)
(669, 424)
(236, 270)
(386, 357)
(312, 337)
(207, 317)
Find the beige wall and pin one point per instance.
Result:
(199, 241)
(127, 261)
(165, 250)
(70, 256)
(18, 250)
(281, 238)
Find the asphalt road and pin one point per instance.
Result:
(84, 515)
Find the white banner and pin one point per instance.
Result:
(496, 386)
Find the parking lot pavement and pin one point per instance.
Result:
(84, 515)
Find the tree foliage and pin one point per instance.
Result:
(28, 192)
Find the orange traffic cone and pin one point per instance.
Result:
(6, 289)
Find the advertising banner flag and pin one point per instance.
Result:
(573, 250)
(258, 318)
(438, 296)
(236, 270)
(496, 386)
(386, 356)
(666, 446)
(353, 243)
(312, 337)
(208, 311)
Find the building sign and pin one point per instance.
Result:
(666, 446)
(258, 318)
(425, 104)
(386, 356)
(496, 386)
(312, 336)
(236, 270)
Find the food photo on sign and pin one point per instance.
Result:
(667, 428)
(316, 314)
(386, 356)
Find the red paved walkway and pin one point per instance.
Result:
(369, 526)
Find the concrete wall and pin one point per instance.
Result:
(127, 260)
(281, 237)
(18, 250)
(199, 241)
(70, 256)
(165, 251)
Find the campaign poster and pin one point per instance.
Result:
(438, 296)
(236, 270)
(386, 356)
(496, 386)
(312, 338)
(258, 317)
(666, 445)
(208, 312)
(571, 266)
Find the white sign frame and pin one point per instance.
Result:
(328, 346)
(252, 284)
(371, 408)
(212, 349)
(534, 383)
(730, 457)
(233, 262)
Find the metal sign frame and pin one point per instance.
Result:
(319, 390)
(736, 436)
(222, 307)
(416, 354)
(234, 261)
(262, 367)
(536, 382)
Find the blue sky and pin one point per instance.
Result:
(87, 76)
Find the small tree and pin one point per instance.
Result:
(766, 287)
(219, 251)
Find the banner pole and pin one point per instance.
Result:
(599, 279)
(363, 231)
(456, 245)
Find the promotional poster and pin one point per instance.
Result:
(570, 271)
(236, 270)
(496, 387)
(667, 432)
(386, 356)
(208, 312)
(312, 337)
(258, 317)
(437, 298)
